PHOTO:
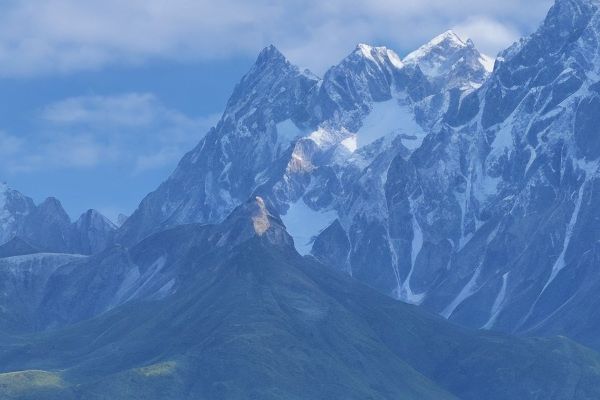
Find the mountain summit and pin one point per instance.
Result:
(449, 60)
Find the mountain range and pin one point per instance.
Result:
(48, 227)
(438, 179)
(457, 183)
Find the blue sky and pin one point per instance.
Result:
(100, 99)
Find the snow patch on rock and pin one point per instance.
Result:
(498, 303)
(467, 291)
(287, 132)
(390, 118)
(304, 224)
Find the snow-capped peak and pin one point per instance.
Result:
(379, 55)
(271, 81)
(447, 41)
(270, 53)
(487, 62)
(450, 60)
(449, 36)
(268, 61)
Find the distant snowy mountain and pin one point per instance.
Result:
(14, 208)
(47, 226)
(451, 62)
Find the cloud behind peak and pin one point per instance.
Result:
(61, 36)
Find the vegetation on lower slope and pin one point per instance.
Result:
(261, 322)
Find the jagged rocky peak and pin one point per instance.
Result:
(93, 232)
(53, 206)
(14, 209)
(254, 214)
(50, 227)
(367, 75)
(438, 49)
(366, 63)
(270, 90)
(50, 213)
(567, 18)
(95, 219)
(450, 60)
(252, 219)
(544, 71)
(380, 55)
(564, 25)
(270, 54)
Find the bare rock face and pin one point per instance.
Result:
(260, 218)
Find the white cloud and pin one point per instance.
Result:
(48, 36)
(491, 35)
(9, 145)
(132, 131)
(132, 109)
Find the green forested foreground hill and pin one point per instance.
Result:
(258, 321)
